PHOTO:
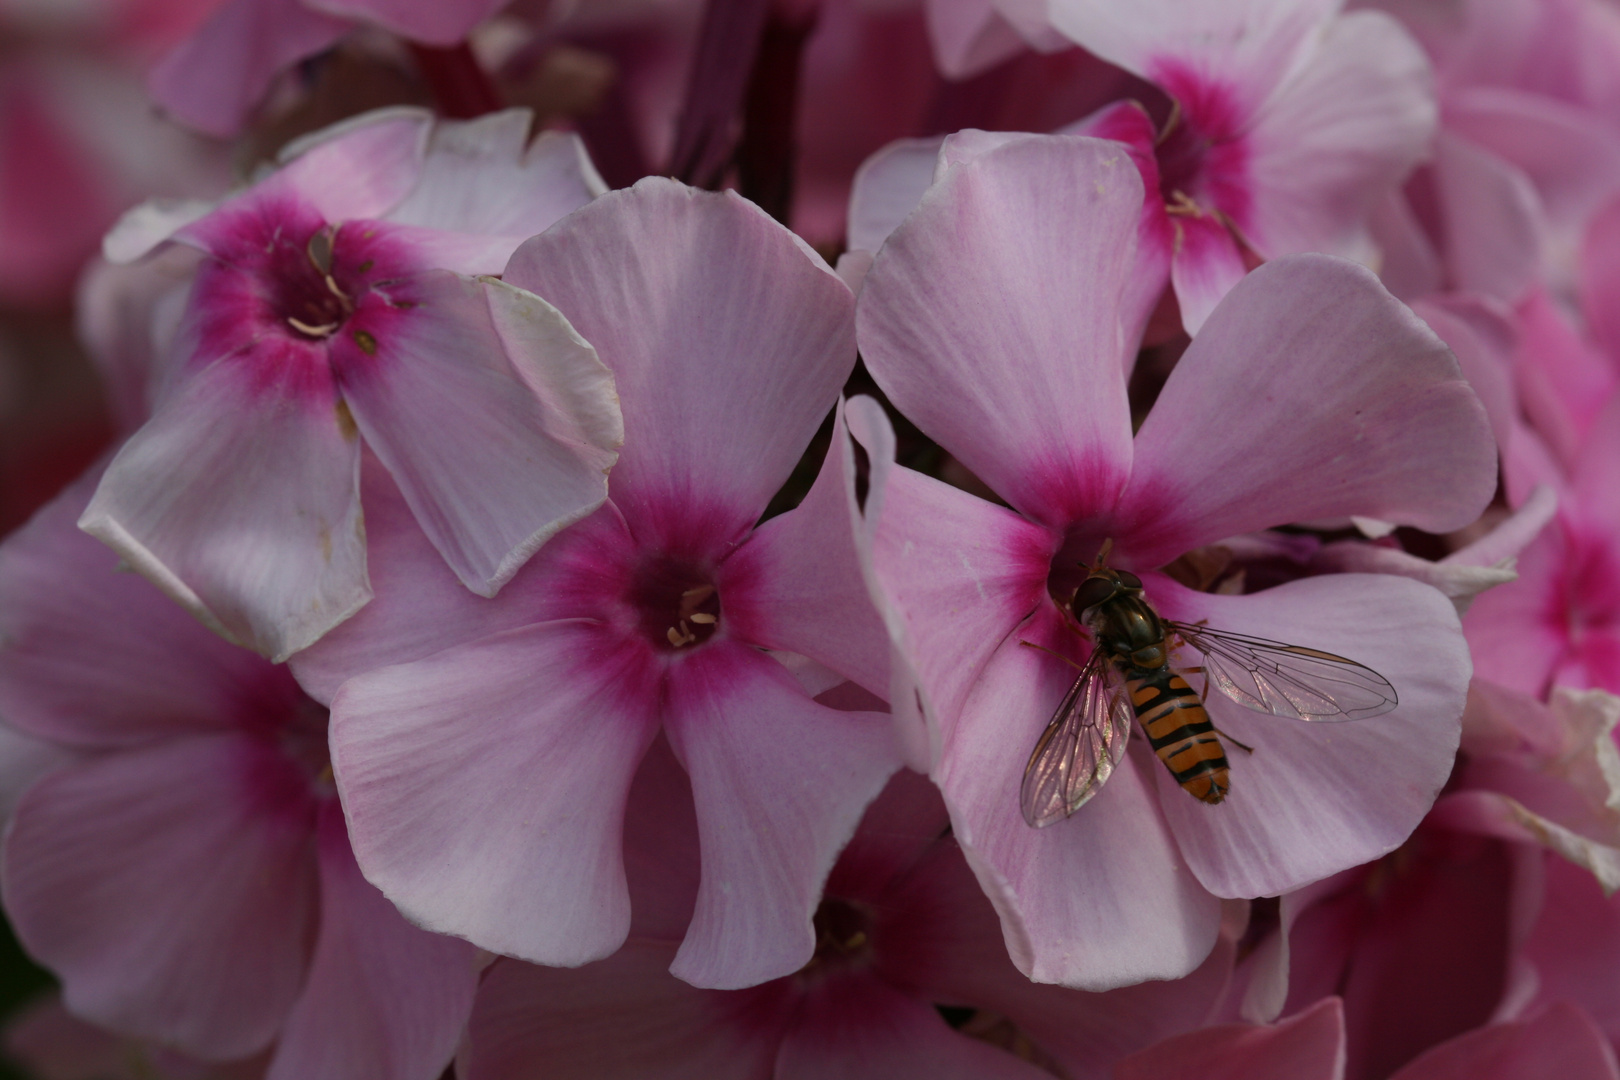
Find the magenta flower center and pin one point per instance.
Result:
(1201, 152)
(678, 604)
(307, 294)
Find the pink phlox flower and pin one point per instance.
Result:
(485, 749)
(1559, 623)
(333, 308)
(901, 927)
(1291, 121)
(215, 78)
(992, 318)
(187, 875)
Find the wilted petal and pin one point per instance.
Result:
(1326, 342)
(624, 1018)
(172, 889)
(1098, 901)
(1317, 798)
(438, 763)
(780, 784)
(495, 418)
(699, 358)
(240, 499)
(861, 1028)
(1308, 1046)
(384, 1000)
(992, 319)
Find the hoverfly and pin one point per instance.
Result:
(1130, 674)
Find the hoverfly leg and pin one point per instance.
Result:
(1044, 649)
(1245, 747)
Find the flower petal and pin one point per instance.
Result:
(780, 783)
(444, 22)
(1560, 1041)
(992, 319)
(888, 186)
(1099, 901)
(213, 80)
(861, 1028)
(1317, 798)
(1518, 632)
(1338, 136)
(96, 658)
(485, 177)
(1218, 456)
(796, 583)
(171, 889)
(1204, 267)
(728, 339)
(384, 999)
(495, 418)
(437, 762)
(240, 500)
(1306, 1046)
(624, 1018)
(1491, 218)
(1248, 46)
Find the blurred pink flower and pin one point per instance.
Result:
(485, 772)
(992, 319)
(188, 875)
(214, 79)
(319, 318)
(1291, 122)
(1309, 1046)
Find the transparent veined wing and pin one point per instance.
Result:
(1288, 680)
(1077, 752)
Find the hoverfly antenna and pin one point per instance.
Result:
(1103, 552)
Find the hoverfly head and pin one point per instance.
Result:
(1101, 586)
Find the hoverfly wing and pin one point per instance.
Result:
(1288, 680)
(1077, 752)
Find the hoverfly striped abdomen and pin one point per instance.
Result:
(1179, 730)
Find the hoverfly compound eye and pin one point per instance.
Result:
(1092, 592)
(1128, 579)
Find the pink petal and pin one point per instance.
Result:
(625, 1018)
(1491, 218)
(661, 858)
(889, 185)
(97, 658)
(728, 339)
(213, 81)
(1600, 277)
(1344, 131)
(780, 784)
(1575, 944)
(1325, 341)
(1595, 483)
(1561, 1041)
(440, 22)
(171, 889)
(1205, 266)
(383, 1000)
(1482, 336)
(992, 319)
(860, 1028)
(796, 583)
(1246, 46)
(956, 575)
(128, 317)
(1308, 1046)
(437, 761)
(421, 606)
(1517, 632)
(486, 177)
(1317, 798)
(1098, 901)
(356, 168)
(1564, 381)
(968, 37)
(495, 418)
(1410, 266)
(240, 500)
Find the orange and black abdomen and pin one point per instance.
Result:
(1179, 729)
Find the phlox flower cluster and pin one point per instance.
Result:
(811, 539)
